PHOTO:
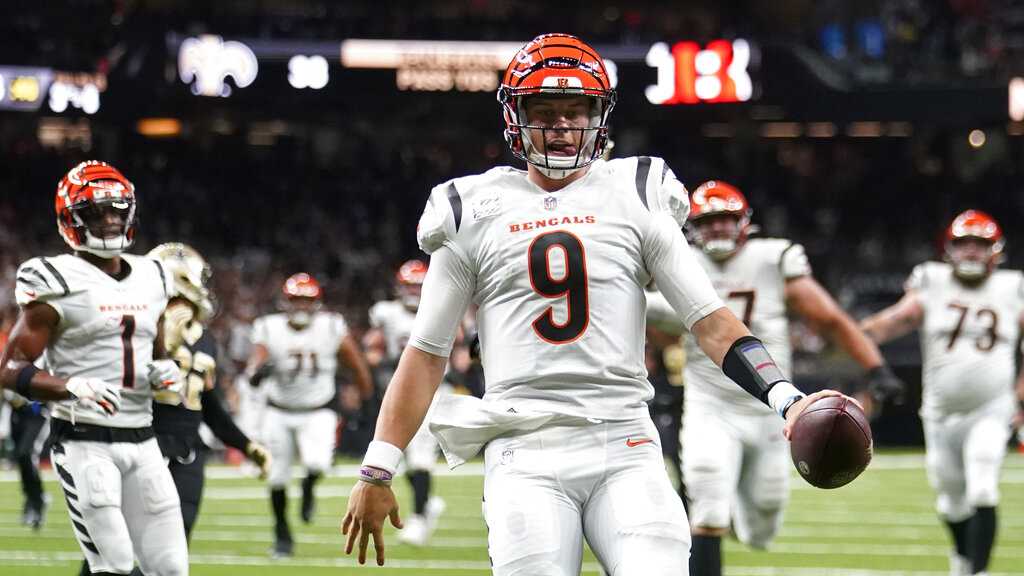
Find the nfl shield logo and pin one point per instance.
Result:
(550, 203)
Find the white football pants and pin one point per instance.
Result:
(546, 490)
(736, 469)
(122, 500)
(313, 433)
(964, 454)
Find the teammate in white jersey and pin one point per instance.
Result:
(556, 258)
(391, 324)
(735, 461)
(95, 317)
(297, 354)
(969, 314)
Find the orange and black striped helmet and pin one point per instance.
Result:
(556, 64)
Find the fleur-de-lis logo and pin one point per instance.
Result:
(209, 60)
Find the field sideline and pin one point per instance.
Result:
(881, 525)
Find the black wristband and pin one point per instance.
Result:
(24, 381)
(748, 364)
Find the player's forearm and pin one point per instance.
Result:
(221, 422)
(888, 324)
(716, 333)
(408, 396)
(35, 384)
(842, 331)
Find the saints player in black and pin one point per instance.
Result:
(176, 417)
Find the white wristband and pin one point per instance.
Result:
(383, 455)
(780, 394)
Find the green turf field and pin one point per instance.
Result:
(881, 525)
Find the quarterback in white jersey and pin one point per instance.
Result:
(556, 258)
(969, 314)
(735, 461)
(95, 318)
(295, 354)
(391, 324)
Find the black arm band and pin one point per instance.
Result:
(24, 381)
(221, 423)
(748, 364)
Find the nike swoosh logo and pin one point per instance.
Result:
(634, 443)
(31, 293)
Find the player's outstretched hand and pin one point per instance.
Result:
(94, 394)
(260, 456)
(796, 409)
(368, 506)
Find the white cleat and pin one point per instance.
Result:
(959, 565)
(415, 532)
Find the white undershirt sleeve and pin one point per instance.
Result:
(447, 291)
(676, 271)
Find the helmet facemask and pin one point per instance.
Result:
(589, 140)
(87, 221)
(973, 258)
(711, 234)
(300, 310)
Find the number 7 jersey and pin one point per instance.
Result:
(968, 337)
(559, 276)
(106, 328)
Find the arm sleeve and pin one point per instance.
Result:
(260, 333)
(793, 262)
(676, 271)
(447, 291)
(37, 282)
(672, 195)
(221, 423)
(916, 280)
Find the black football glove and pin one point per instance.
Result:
(884, 385)
(257, 378)
(474, 346)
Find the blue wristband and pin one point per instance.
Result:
(23, 383)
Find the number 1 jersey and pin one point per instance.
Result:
(106, 328)
(559, 277)
(968, 337)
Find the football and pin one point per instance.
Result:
(831, 442)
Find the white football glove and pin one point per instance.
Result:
(165, 375)
(94, 394)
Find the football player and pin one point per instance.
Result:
(96, 318)
(557, 258)
(736, 464)
(298, 353)
(970, 313)
(391, 324)
(29, 428)
(176, 417)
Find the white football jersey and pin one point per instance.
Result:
(395, 321)
(968, 337)
(752, 283)
(305, 361)
(558, 278)
(106, 328)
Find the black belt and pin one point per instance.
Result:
(273, 404)
(64, 430)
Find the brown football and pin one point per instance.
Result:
(831, 442)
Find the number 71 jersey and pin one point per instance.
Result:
(968, 337)
(559, 276)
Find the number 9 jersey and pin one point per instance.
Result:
(968, 337)
(558, 277)
(106, 328)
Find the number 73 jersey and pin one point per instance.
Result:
(559, 276)
(968, 337)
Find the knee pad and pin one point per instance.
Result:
(652, 556)
(159, 493)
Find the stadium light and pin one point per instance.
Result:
(1016, 98)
